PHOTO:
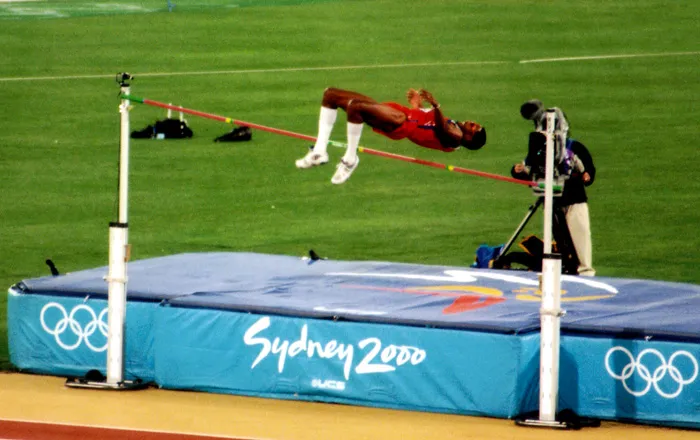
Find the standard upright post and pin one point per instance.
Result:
(551, 283)
(550, 309)
(550, 315)
(116, 302)
(118, 242)
(549, 182)
(124, 155)
(118, 257)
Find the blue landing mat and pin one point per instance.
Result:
(408, 336)
(407, 294)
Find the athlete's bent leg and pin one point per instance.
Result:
(354, 130)
(380, 116)
(334, 98)
(350, 161)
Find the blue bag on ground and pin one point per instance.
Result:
(485, 255)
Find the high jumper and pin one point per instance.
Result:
(426, 127)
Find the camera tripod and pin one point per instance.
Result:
(562, 237)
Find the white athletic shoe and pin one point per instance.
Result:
(312, 159)
(343, 171)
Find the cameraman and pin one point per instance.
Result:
(573, 200)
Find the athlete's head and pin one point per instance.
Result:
(473, 135)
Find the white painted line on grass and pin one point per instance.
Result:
(236, 72)
(609, 57)
(358, 67)
(55, 78)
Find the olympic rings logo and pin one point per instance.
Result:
(69, 324)
(653, 379)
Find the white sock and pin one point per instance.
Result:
(325, 126)
(354, 133)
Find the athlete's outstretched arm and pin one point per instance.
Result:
(449, 135)
(414, 98)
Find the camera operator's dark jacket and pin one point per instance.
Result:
(574, 188)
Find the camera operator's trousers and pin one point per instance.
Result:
(578, 220)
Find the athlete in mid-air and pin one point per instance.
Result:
(426, 127)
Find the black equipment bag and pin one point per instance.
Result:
(238, 134)
(165, 129)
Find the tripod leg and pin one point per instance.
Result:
(519, 229)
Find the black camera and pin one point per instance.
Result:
(536, 159)
(123, 78)
(537, 154)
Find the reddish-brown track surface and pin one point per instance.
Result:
(23, 430)
(41, 407)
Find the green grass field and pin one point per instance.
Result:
(635, 106)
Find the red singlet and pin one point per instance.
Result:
(419, 127)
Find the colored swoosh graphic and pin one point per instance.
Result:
(466, 298)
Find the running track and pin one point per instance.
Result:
(41, 407)
(16, 430)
